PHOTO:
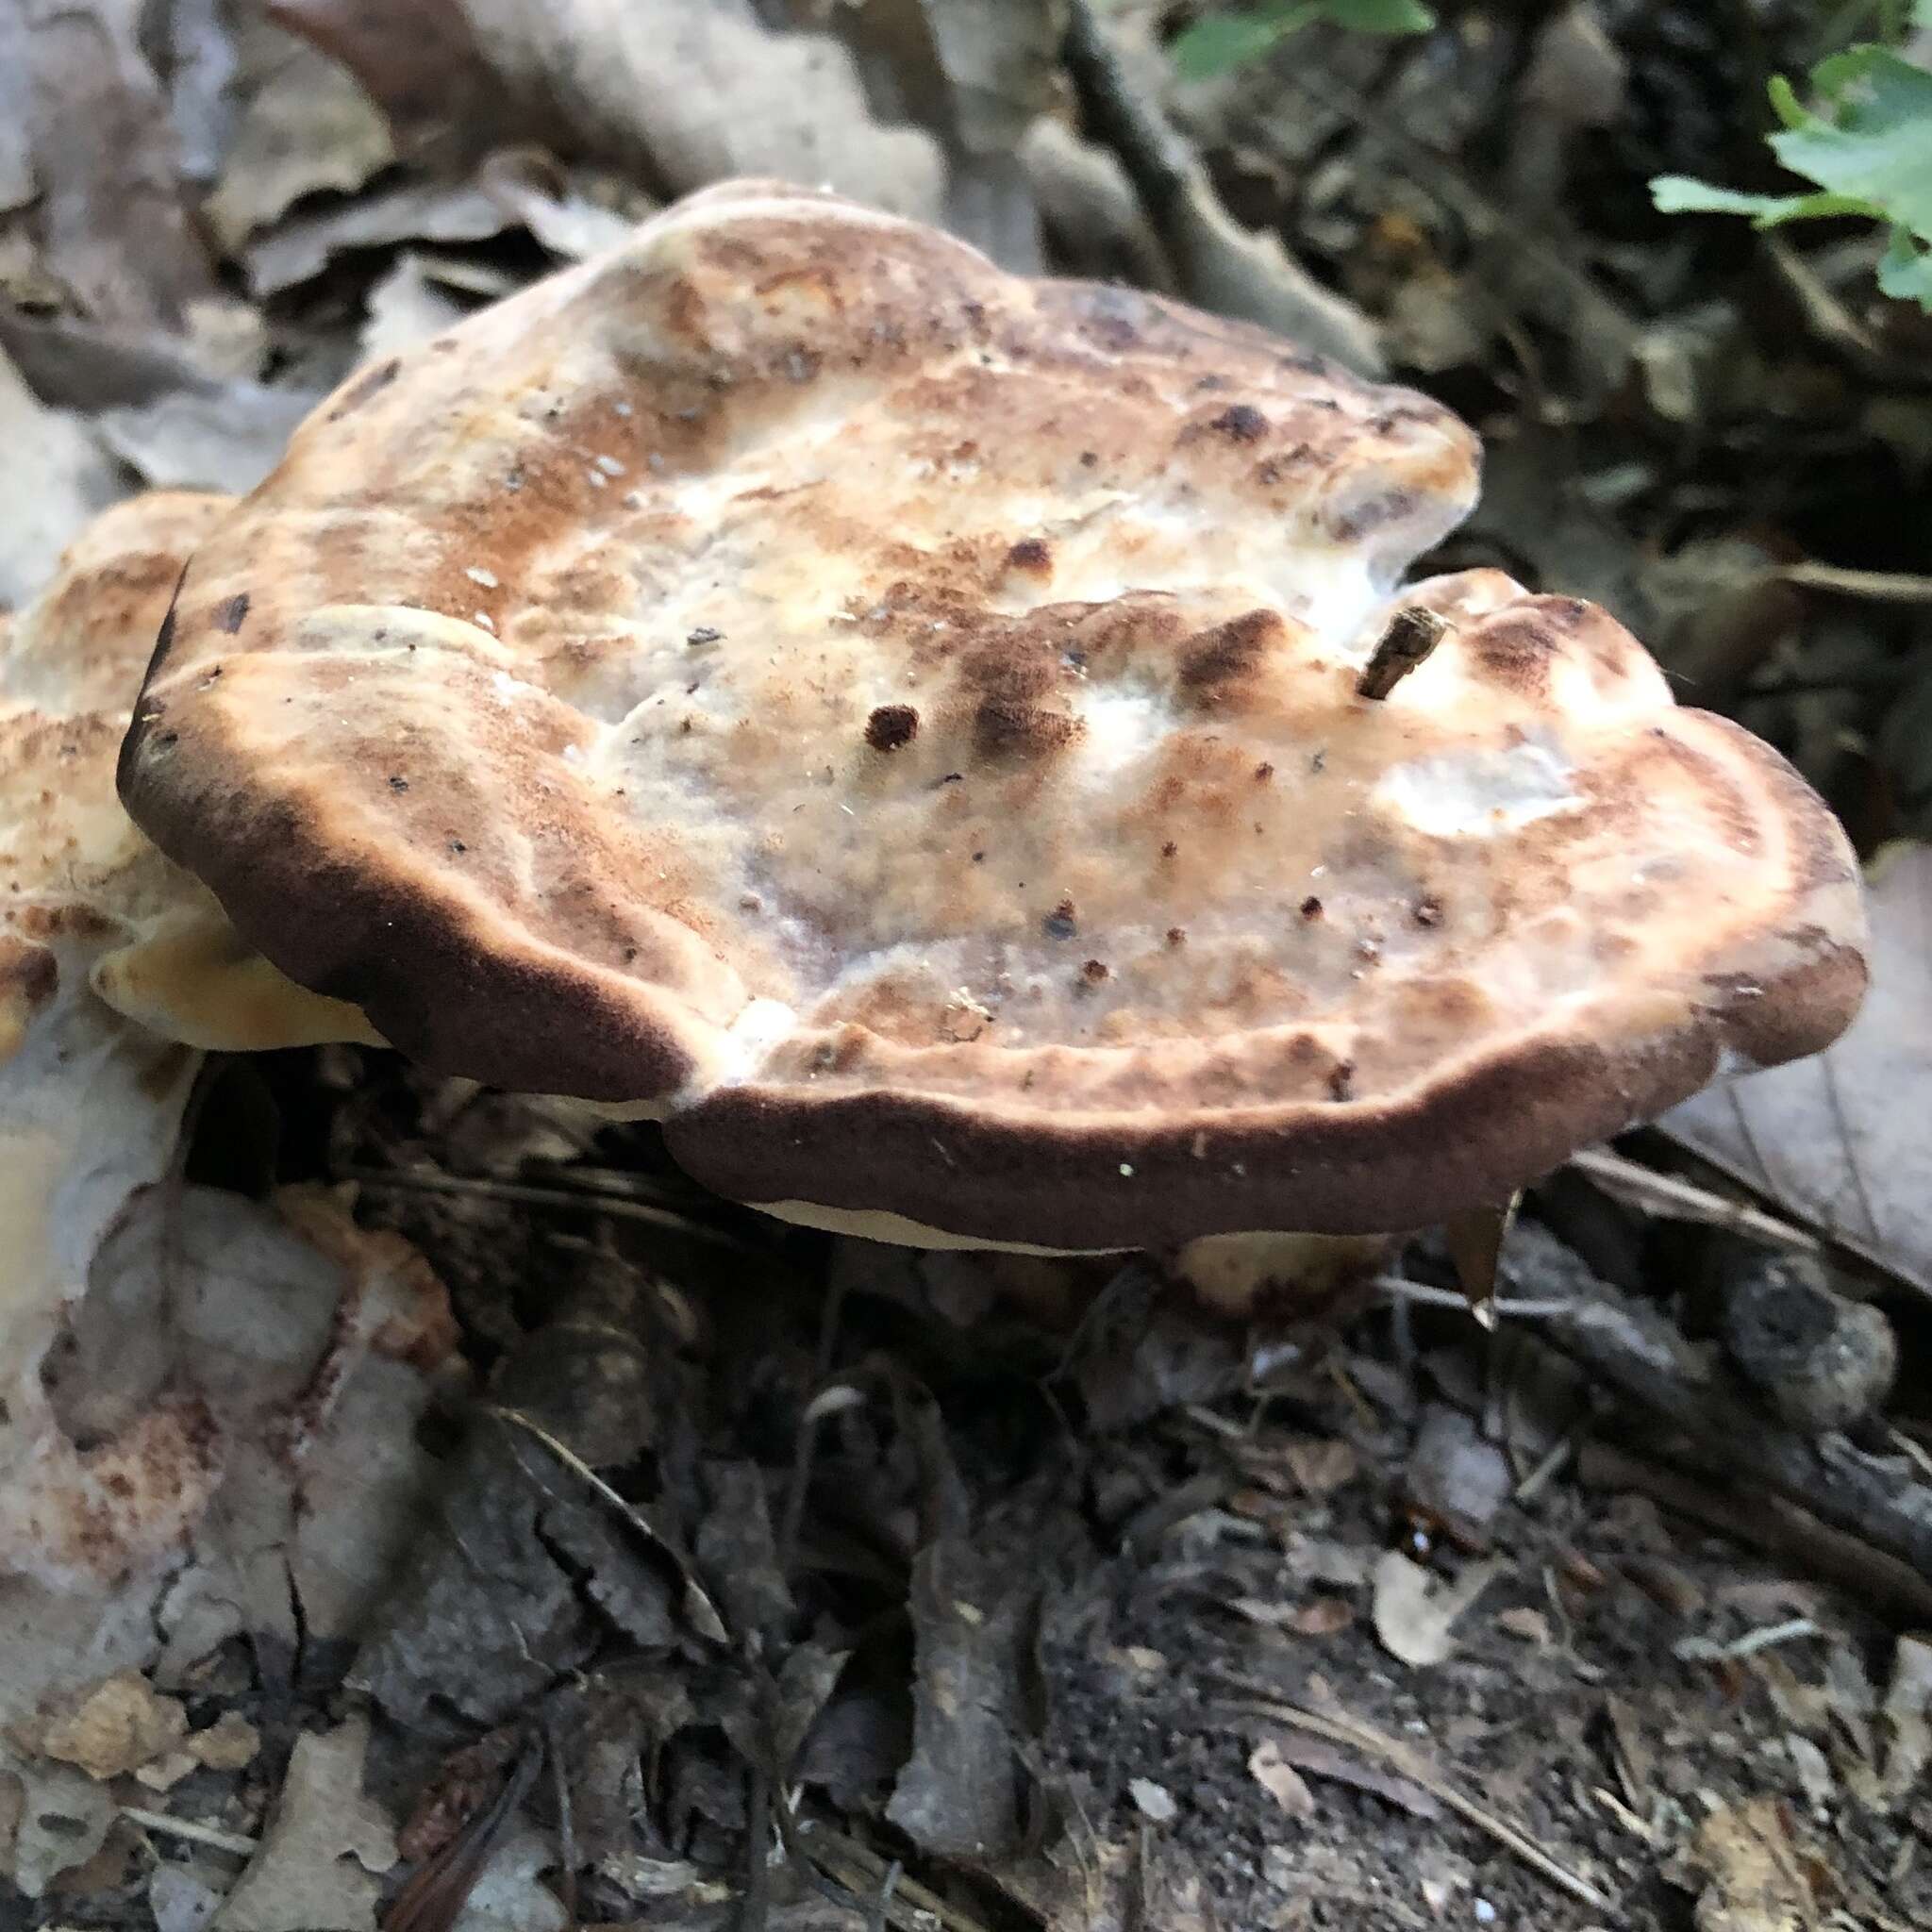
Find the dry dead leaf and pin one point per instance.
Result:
(1746, 1871)
(439, 211)
(1318, 1758)
(407, 306)
(1321, 1466)
(1280, 1779)
(226, 436)
(511, 1894)
(325, 1846)
(55, 477)
(1322, 1616)
(54, 1650)
(636, 83)
(182, 1898)
(228, 1745)
(1455, 1476)
(1906, 1718)
(961, 1791)
(1528, 1625)
(1844, 1141)
(109, 221)
(557, 204)
(1414, 1617)
(119, 1725)
(305, 125)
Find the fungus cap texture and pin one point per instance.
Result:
(897, 723)
(83, 894)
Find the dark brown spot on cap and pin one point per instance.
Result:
(1240, 423)
(1429, 912)
(1312, 907)
(1214, 661)
(1093, 972)
(1061, 923)
(1373, 514)
(1031, 553)
(891, 725)
(1008, 727)
(1341, 1080)
(1176, 935)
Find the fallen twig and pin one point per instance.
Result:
(1834, 326)
(1221, 265)
(1339, 1728)
(1880, 586)
(209, 1835)
(904, 1902)
(581, 1201)
(1671, 1197)
(1766, 1523)
(698, 1605)
(1641, 1355)
(437, 1891)
(1401, 1289)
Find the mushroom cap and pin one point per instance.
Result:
(897, 723)
(82, 891)
(73, 869)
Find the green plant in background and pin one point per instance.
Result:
(1226, 41)
(1865, 143)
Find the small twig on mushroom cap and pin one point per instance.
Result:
(1413, 632)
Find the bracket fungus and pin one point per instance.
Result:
(115, 967)
(903, 726)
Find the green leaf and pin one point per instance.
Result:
(1381, 16)
(1224, 41)
(1877, 144)
(1681, 194)
(1785, 103)
(1866, 145)
(1905, 274)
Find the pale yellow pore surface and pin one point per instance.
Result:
(899, 723)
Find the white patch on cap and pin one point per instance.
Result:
(1471, 793)
(1123, 725)
(751, 1036)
